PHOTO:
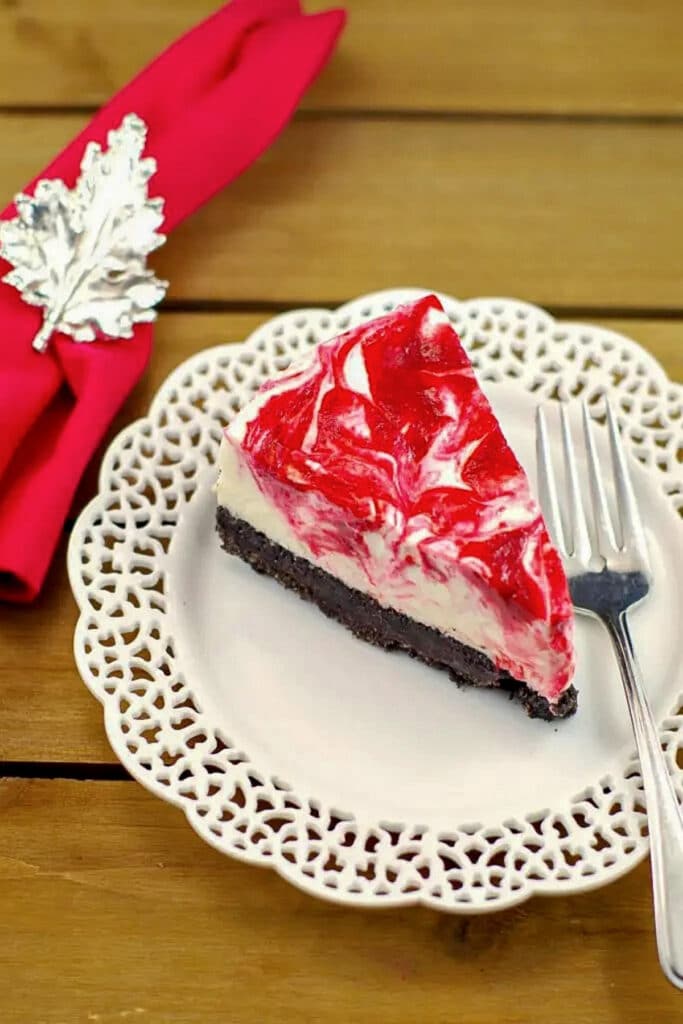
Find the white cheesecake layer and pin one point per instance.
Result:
(457, 604)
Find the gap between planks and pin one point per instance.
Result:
(270, 307)
(390, 114)
(72, 770)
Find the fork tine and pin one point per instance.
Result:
(546, 482)
(632, 533)
(578, 527)
(602, 519)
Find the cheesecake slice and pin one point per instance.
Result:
(373, 479)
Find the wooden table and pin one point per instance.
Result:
(507, 147)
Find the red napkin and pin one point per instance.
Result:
(212, 102)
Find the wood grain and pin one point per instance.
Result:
(46, 712)
(562, 214)
(566, 193)
(602, 56)
(113, 911)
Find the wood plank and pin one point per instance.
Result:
(560, 214)
(112, 909)
(663, 338)
(46, 712)
(604, 56)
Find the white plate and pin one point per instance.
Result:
(360, 775)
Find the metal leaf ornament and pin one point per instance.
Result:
(81, 253)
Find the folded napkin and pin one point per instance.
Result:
(212, 103)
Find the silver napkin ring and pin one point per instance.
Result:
(81, 253)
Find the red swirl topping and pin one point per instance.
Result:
(387, 425)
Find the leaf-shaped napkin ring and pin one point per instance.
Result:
(81, 253)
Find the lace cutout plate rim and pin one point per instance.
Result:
(161, 724)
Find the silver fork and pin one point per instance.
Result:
(609, 572)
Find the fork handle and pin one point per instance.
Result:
(665, 823)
